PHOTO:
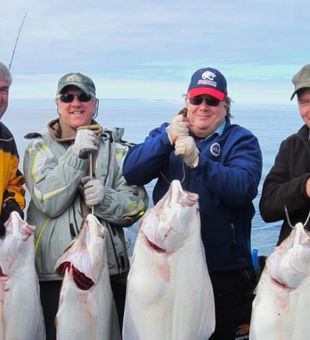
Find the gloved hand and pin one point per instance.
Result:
(177, 127)
(7, 208)
(93, 191)
(86, 141)
(187, 148)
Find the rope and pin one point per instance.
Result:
(91, 176)
(183, 178)
(289, 221)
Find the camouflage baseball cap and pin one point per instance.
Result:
(79, 80)
(301, 79)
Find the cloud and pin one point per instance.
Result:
(159, 43)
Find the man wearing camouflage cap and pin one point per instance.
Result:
(288, 182)
(57, 170)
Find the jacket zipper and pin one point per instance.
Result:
(233, 236)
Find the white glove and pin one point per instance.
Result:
(93, 191)
(86, 141)
(177, 127)
(187, 148)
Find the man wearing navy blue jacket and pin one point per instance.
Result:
(222, 163)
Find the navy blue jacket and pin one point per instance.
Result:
(226, 180)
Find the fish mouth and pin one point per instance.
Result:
(279, 283)
(81, 280)
(154, 246)
(1, 272)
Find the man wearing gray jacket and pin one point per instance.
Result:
(57, 170)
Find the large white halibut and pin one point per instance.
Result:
(169, 293)
(21, 316)
(281, 306)
(86, 306)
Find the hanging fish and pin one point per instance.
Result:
(280, 308)
(21, 316)
(169, 293)
(86, 305)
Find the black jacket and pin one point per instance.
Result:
(285, 185)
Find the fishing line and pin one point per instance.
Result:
(20, 29)
(91, 176)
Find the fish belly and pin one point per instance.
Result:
(169, 293)
(22, 312)
(269, 307)
(280, 307)
(21, 316)
(87, 312)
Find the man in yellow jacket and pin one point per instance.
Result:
(12, 194)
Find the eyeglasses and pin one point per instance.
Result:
(69, 97)
(211, 101)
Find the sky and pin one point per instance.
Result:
(150, 49)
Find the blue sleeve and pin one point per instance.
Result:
(145, 161)
(235, 179)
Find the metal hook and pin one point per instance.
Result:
(289, 221)
(288, 218)
(183, 178)
(307, 220)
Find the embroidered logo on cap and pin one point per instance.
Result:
(208, 75)
(73, 77)
(207, 78)
(215, 149)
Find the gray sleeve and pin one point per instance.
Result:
(52, 181)
(123, 204)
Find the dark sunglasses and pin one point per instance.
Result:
(68, 98)
(211, 101)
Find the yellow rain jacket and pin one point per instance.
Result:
(11, 179)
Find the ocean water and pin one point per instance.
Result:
(271, 124)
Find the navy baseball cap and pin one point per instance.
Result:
(208, 81)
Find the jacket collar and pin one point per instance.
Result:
(62, 132)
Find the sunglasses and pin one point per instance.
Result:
(68, 98)
(211, 101)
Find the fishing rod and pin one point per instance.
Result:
(20, 29)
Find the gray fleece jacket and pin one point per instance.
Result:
(53, 174)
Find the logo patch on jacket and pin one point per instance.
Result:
(215, 149)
